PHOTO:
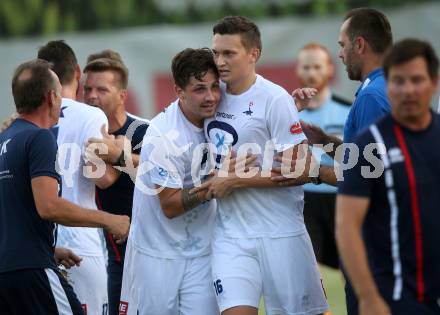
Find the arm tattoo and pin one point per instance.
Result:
(189, 201)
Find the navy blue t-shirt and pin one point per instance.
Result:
(414, 164)
(118, 198)
(26, 240)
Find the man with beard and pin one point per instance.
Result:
(329, 112)
(106, 87)
(364, 38)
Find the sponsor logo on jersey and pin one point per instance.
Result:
(123, 308)
(295, 128)
(225, 115)
(224, 137)
(219, 130)
(163, 172)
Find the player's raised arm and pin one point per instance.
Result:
(56, 209)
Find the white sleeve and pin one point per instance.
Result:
(167, 168)
(283, 122)
(93, 128)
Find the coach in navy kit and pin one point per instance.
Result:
(106, 70)
(30, 205)
(396, 210)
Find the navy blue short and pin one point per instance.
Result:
(114, 285)
(115, 267)
(37, 292)
(319, 217)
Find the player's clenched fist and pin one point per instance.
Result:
(119, 226)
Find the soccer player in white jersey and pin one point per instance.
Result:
(167, 268)
(78, 122)
(260, 245)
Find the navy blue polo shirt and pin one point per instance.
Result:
(26, 240)
(371, 103)
(413, 159)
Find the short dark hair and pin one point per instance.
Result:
(62, 58)
(248, 30)
(110, 64)
(31, 82)
(372, 25)
(408, 49)
(106, 53)
(192, 63)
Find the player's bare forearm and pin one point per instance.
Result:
(69, 214)
(53, 208)
(327, 175)
(226, 179)
(175, 202)
(350, 214)
(259, 180)
(110, 176)
(190, 201)
(135, 160)
(336, 143)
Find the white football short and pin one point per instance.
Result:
(89, 282)
(158, 286)
(282, 270)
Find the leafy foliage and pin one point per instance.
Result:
(43, 17)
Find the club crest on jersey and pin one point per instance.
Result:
(249, 112)
(296, 128)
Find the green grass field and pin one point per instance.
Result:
(334, 288)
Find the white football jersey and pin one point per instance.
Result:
(250, 121)
(78, 122)
(172, 156)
